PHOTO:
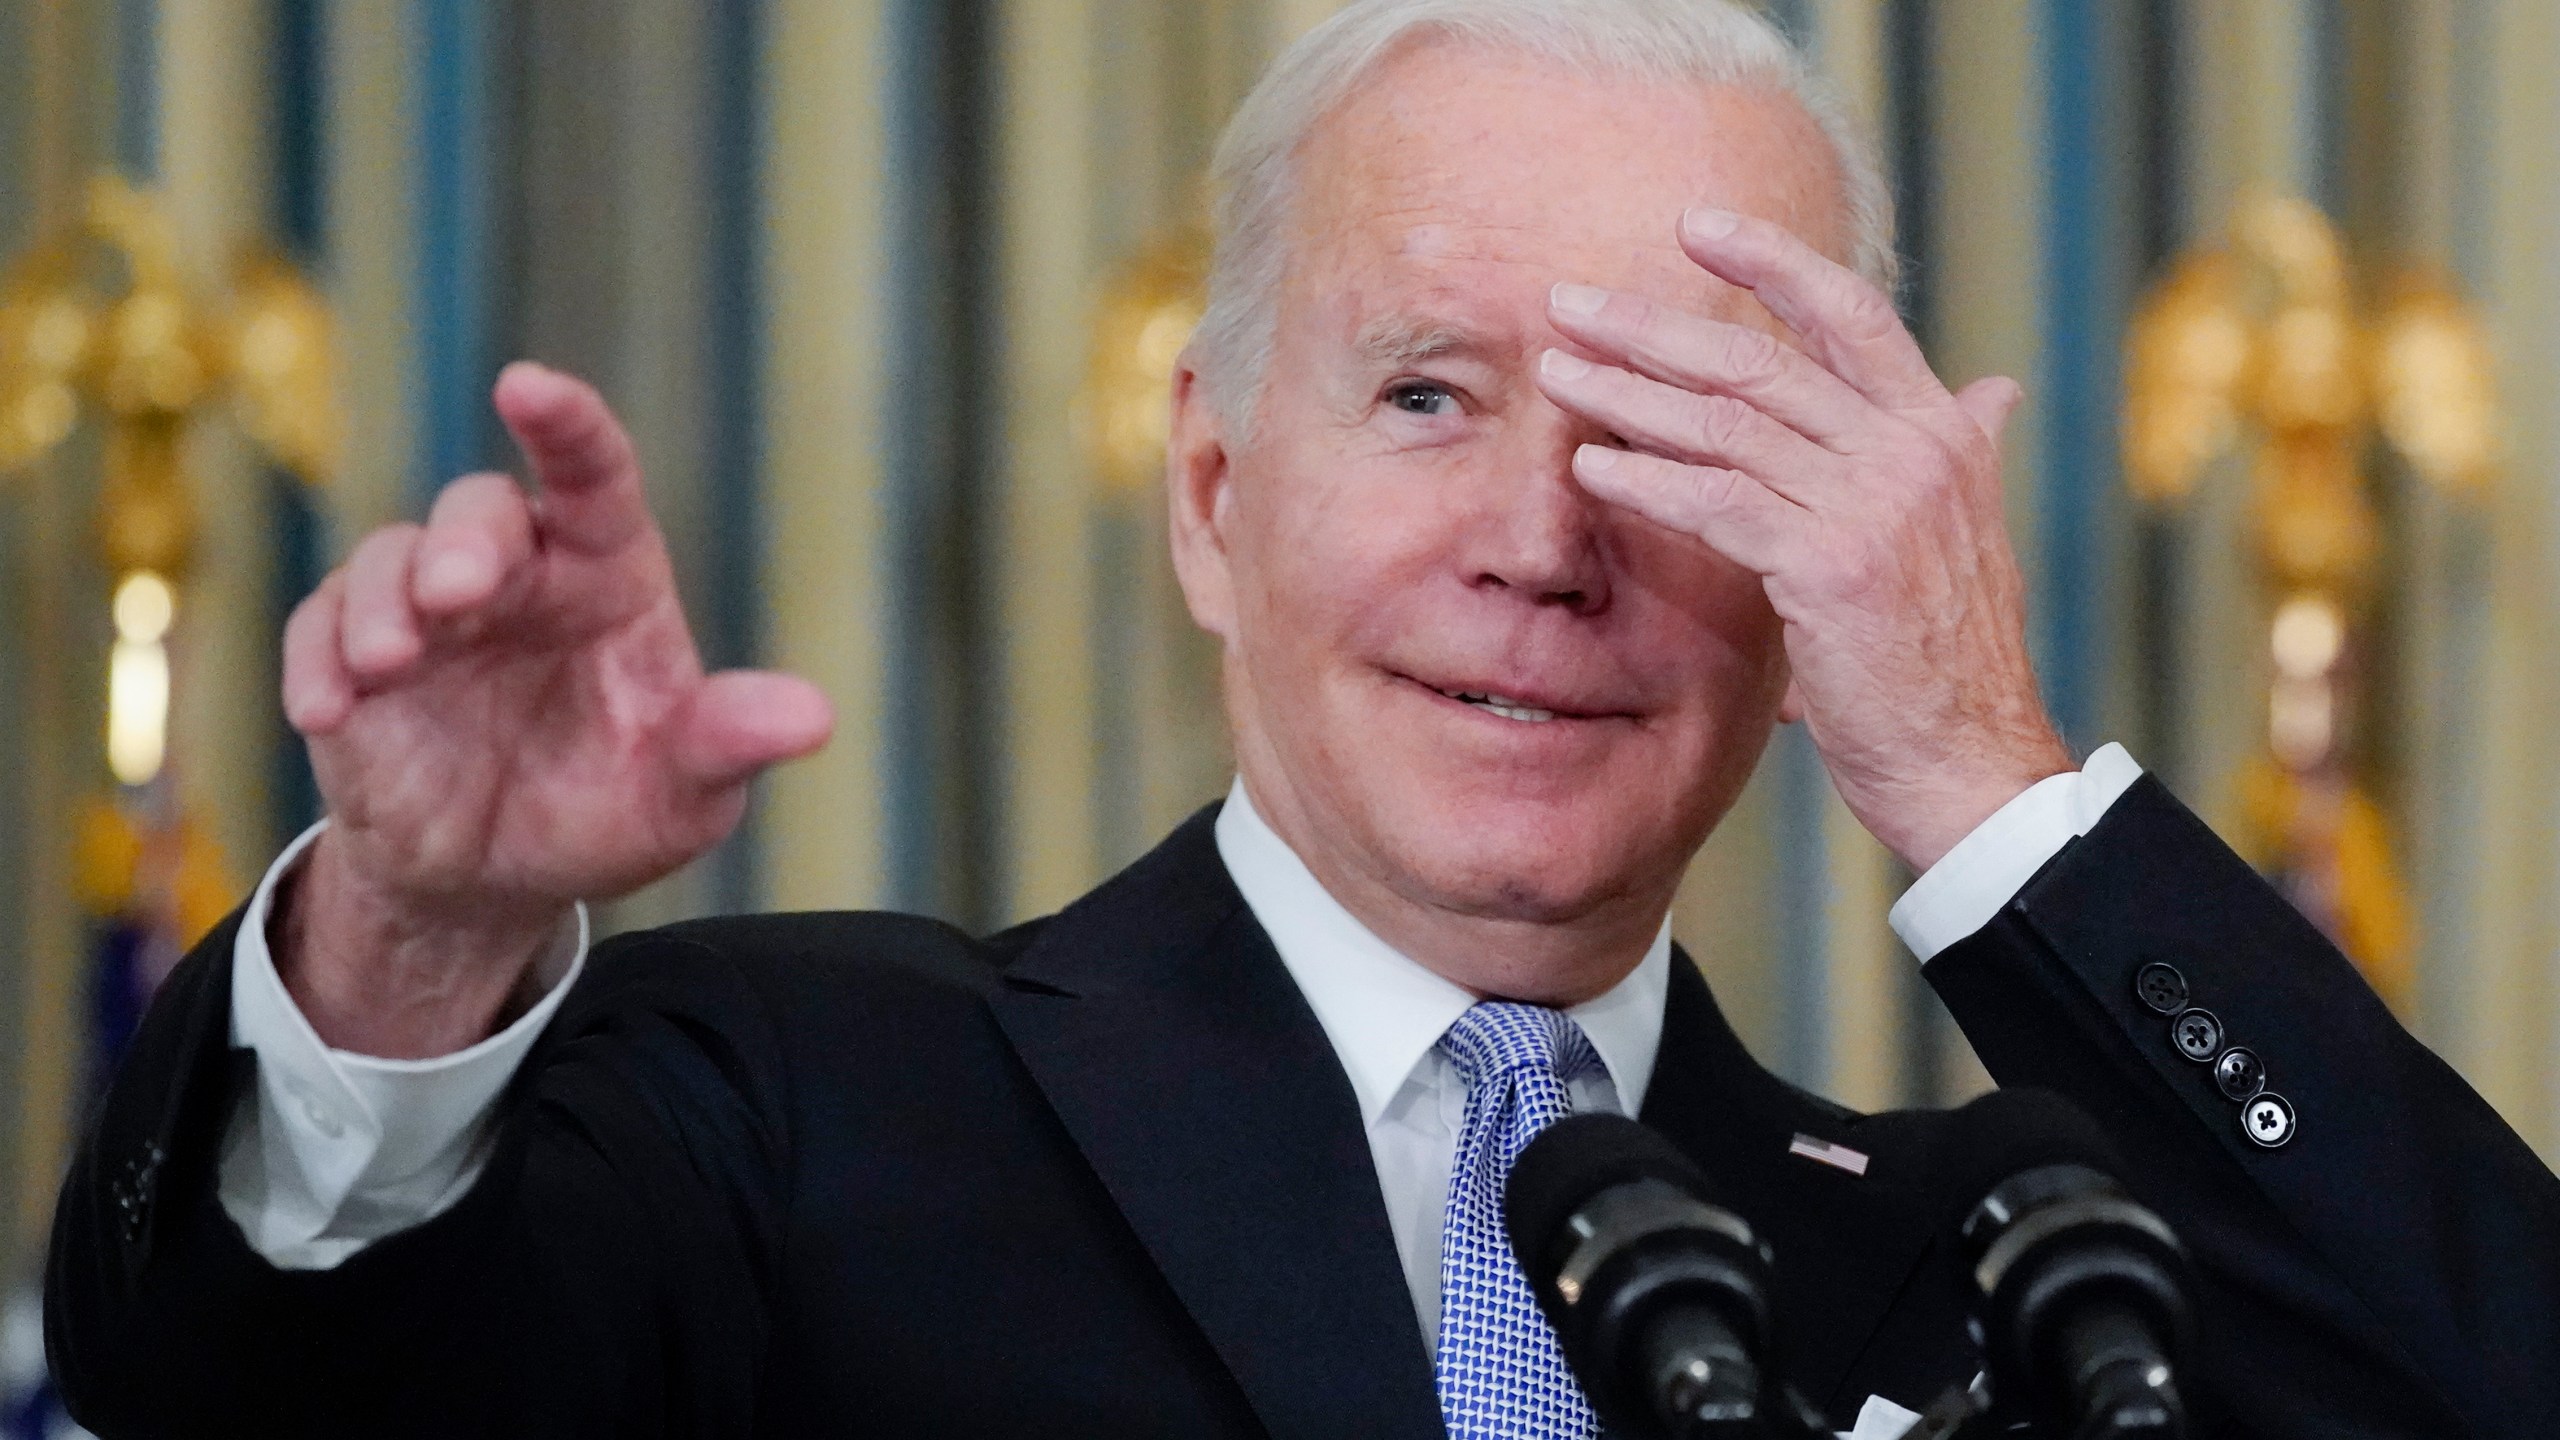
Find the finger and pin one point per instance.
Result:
(740, 721)
(379, 634)
(1737, 516)
(1991, 401)
(1699, 354)
(480, 529)
(1692, 429)
(318, 693)
(1846, 323)
(590, 476)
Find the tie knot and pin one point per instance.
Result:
(1500, 1037)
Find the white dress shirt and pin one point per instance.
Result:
(1989, 866)
(331, 1150)
(1385, 1015)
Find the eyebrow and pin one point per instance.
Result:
(1403, 339)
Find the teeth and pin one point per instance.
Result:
(1506, 707)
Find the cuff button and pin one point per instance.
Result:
(323, 1119)
(2267, 1121)
(2161, 987)
(2240, 1074)
(2197, 1034)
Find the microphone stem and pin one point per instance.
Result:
(2122, 1386)
(1703, 1382)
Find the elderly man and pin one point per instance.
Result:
(1548, 440)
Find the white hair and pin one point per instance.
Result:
(1709, 42)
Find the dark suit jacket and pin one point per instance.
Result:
(1103, 1175)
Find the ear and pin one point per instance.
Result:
(1198, 474)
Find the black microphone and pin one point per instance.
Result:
(1659, 1295)
(2082, 1293)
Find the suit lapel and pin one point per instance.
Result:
(1846, 1244)
(1159, 1022)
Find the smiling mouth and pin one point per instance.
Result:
(1502, 705)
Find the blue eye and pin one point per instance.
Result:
(1422, 397)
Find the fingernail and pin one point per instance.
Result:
(1578, 299)
(453, 571)
(1595, 459)
(1561, 366)
(377, 648)
(1709, 224)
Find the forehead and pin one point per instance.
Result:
(1458, 160)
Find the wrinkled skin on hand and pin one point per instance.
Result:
(1865, 495)
(506, 714)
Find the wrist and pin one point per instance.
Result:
(399, 977)
(1937, 816)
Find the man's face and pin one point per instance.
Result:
(1401, 535)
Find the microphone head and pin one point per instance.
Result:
(2009, 1133)
(1659, 1297)
(2081, 1292)
(1565, 1166)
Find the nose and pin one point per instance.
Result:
(1539, 534)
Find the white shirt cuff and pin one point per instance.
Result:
(1989, 867)
(333, 1150)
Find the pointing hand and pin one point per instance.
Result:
(507, 715)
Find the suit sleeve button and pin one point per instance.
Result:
(2267, 1121)
(2240, 1073)
(2197, 1035)
(2161, 987)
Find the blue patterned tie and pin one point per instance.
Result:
(1500, 1371)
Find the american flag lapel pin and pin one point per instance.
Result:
(1824, 1152)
